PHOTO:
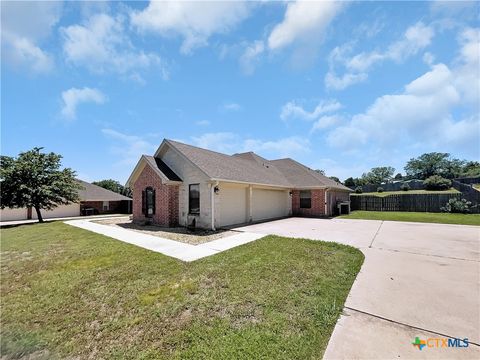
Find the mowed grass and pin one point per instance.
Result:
(386, 193)
(442, 218)
(71, 293)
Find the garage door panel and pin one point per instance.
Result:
(60, 211)
(269, 204)
(232, 206)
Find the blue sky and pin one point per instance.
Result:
(339, 86)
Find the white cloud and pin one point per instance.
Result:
(285, 147)
(326, 122)
(24, 26)
(303, 21)
(74, 97)
(415, 38)
(292, 110)
(227, 142)
(453, 8)
(467, 74)
(128, 148)
(203, 123)
(194, 21)
(332, 81)
(428, 58)
(231, 107)
(101, 45)
(250, 57)
(30, 19)
(423, 112)
(20, 51)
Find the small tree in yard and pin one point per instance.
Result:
(34, 179)
(405, 187)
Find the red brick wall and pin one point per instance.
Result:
(318, 204)
(166, 199)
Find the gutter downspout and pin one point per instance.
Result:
(212, 200)
(326, 201)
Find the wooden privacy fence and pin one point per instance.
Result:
(402, 202)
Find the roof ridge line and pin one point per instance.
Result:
(197, 147)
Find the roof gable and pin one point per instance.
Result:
(91, 192)
(161, 169)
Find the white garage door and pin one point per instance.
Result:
(269, 204)
(8, 214)
(232, 205)
(60, 211)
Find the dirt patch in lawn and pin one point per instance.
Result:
(181, 234)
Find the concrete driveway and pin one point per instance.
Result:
(418, 280)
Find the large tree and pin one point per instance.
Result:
(115, 186)
(34, 179)
(379, 175)
(434, 163)
(471, 169)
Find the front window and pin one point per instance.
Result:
(305, 199)
(194, 199)
(149, 202)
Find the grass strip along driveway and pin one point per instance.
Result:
(441, 218)
(67, 292)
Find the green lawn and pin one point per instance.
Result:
(443, 218)
(386, 193)
(67, 292)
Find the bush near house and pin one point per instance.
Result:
(405, 187)
(358, 190)
(461, 206)
(380, 189)
(436, 182)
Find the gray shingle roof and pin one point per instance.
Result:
(159, 164)
(90, 192)
(252, 168)
(302, 176)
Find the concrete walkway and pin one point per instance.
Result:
(418, 280)
(176, 249)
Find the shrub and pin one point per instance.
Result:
(457, 206)
(380, 189)
(405, 187)
(358, 190)
(436, 182)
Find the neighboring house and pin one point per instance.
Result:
(186, 185)
(93, 200)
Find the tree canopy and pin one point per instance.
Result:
(379, 175)
(441, 164)
(34, 179)
(115, 186)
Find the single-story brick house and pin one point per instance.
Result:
(186, 185)
(94, 200)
